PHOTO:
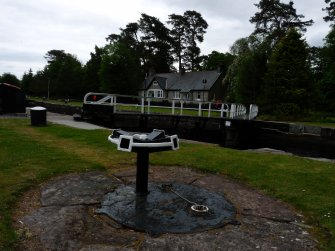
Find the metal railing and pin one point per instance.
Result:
(148, 105)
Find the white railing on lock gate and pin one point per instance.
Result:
(148, 105)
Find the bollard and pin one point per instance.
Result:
(38, 116)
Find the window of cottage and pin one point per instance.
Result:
(151, 94)
(159, 94)
(154, 93)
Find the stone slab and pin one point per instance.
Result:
(66, 223)
(69, 121)
(77, 189)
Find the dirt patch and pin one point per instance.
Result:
(60, 215)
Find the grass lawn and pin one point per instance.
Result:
(321, 124)
(58, 101)
(31, 155)
(313, 120)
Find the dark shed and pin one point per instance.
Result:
(12, 99)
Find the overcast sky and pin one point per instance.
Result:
(30, 28)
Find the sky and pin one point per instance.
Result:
(31, 28)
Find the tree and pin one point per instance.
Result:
(330, 11)
(327, 81)
(217, 59)
(64, 73)
(194, 32)
(156, 43)
(244, 78)
(177, 34)
(39, 84)
(186, 31)
(91, 80)
(150, 41)
(120, 70)
(10, 78)
(27, 80)
(54, 56)
(220, 62)
(288, 82)
(274, 19)
(158, 47)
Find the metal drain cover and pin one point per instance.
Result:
(165, 212)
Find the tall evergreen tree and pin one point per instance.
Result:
(187, 31)
(156, 42)
(177, 34)
(39, 84)
(327, 81)
(245, 77)
(275, 18)
(194, 32)
(64, 73)
(150, 41)
(27, 80)
(330, 11)
(91, 80)
(288, 82)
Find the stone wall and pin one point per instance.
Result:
(241, 134)
(57, 108)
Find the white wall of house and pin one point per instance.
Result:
(159, 93)
(174, 95)
(155, 91)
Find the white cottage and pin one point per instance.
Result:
(200, 86)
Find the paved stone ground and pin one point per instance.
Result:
(60, 215)
(69, 121)
(57, 119)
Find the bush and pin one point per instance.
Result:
(288, 111)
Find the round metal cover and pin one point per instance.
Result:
(163, 211)
(200, 208)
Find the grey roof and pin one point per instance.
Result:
(183, 82)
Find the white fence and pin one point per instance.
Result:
(136, 104)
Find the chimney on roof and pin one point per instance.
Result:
(181, 70)
(152, 71)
